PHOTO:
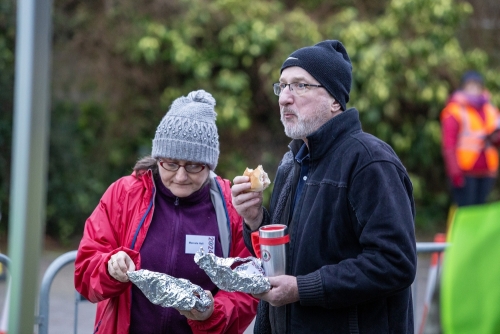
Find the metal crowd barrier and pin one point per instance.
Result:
(5, 261)
(431, 247)
(43, 318)
(436, 249)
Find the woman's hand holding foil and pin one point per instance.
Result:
(194, 314)
(119, 264)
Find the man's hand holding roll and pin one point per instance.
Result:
(247, 195)
(248, 204)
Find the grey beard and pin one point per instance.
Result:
(305, 127)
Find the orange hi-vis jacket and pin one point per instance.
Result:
(472, 134)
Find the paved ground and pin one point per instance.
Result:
(62, 300)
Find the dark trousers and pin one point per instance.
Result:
(475, 191)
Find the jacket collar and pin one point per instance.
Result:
(329, 135)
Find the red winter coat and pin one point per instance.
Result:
(120, 223)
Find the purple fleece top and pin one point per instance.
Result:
(164, 251)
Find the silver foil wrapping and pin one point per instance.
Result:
(247, 277)
(167, 291)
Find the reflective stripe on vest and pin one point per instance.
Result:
(472, 135)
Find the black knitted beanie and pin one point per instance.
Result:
(329, 63)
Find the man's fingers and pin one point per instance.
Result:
(239, 189)
(241, 179)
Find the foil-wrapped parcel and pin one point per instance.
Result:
(167, 291)
(247, 277)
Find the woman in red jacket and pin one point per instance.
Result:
(470, 139)
(151, 220)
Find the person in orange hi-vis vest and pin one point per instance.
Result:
(471, 136)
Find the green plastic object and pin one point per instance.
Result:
(470, 285)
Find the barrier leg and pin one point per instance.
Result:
(4, 321)
(432, 280)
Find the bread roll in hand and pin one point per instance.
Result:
(258, 179)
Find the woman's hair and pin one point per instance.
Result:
(144, 164)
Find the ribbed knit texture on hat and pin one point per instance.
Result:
(329, 63)
(188, 131)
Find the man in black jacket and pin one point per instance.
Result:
(347, 201)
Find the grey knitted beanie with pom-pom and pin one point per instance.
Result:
(188, 131)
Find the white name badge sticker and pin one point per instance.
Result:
(195, 242)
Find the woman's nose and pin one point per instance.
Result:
(181, 174)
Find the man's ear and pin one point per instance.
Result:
(335, 107)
